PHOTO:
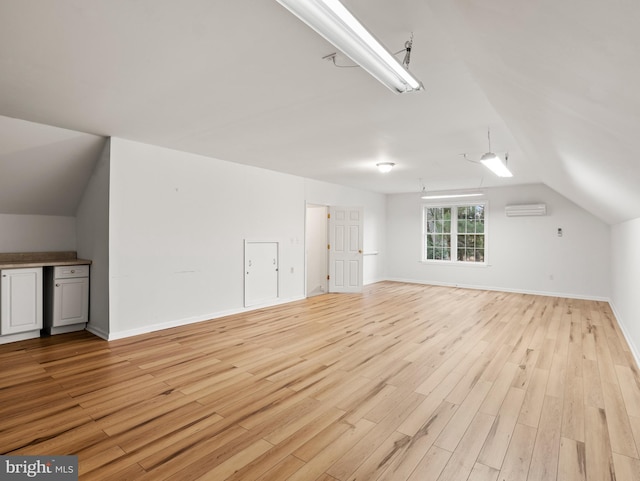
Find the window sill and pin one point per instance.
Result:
(456, 264)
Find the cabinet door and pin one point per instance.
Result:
(21, 300)
(70, 301)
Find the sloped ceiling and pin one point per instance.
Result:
(564, 77)
(44, 169)
(245, 82)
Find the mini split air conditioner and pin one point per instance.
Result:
(525, 210)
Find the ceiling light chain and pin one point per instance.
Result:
(405, 62)
(492, 161)
(407, 48)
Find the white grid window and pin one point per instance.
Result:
(454, 233)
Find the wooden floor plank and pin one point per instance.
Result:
(495, 447)
(573, 410)
(534, 398)
(544, 461)
(321, 461)
(457, 427)
(627, 469)
(571, 463)
(598, 454)
(431, 465)
(620, 432)
(420, 443)
(399, 382)
(515, 466)
(483, 472)
(629, 383)
(383, 430)
(464, 457)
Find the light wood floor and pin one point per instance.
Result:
(402, 382)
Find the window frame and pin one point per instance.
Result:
(453, 261)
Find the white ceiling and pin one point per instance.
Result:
(244, 81)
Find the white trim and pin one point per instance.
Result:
(97, 331)
(19, 336)
(192, 320)
(634, 350)
(454, 232)
(455, 264)
(502, 289)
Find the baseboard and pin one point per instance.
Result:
(112, 336)
(19, 336)
(625, 333)
(502, 289)
(97, 332)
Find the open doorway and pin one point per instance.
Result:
(333, 248)
(316, 250)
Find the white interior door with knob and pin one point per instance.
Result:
(345, 249)
(260, 272)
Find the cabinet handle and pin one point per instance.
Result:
(57, 285)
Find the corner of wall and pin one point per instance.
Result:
(92, 218)
(630, 342)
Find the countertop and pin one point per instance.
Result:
(17, 260)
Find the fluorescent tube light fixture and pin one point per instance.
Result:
(492, 162)
(385, 167)
(448, 195)
(337, 25)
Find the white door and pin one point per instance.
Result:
(260, 272)
(21, 300)
(345, 249)
(71, 301)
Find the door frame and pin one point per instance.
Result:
(316, 250)
(310, 248)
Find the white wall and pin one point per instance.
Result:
(37, 233)
(625, 280)
(525, 254)
(93, 241)
(177, 227)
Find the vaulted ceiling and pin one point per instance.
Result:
(244, 81)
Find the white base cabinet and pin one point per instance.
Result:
(67, 299)
(21, 301)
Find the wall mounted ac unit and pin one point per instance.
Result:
(525, 210)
